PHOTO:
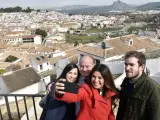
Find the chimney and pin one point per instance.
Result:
(103, 45)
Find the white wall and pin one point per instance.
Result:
(32, 89)
(34, 64)
(116, 67)
(156, 78)
(38, 39)
(3, 87)
(47, 80)
(153, 65)
(44, 66)
(62, 29)
(114, 57)
(56, 54)
(14, 39)
(60, 66)
(118, 81)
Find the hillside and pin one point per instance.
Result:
(116, 6)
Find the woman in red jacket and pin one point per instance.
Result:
(95, 98)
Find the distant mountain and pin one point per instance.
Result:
(149, 6)
(119, 5)
(116, 6)
(72, 7)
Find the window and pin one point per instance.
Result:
(40, 67)
(37, 58)
(130, 42)
(42, 57)
(97, 61)
(81, 55)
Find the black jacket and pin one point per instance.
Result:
(57, 110)
(143, 103)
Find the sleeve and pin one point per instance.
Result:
(153, 105)
(111, 116)
(70, 97)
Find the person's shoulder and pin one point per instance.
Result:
(152, 84)
(86, 88)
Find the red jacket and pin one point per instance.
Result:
(102, 109)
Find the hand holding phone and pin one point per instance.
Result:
(59, 86)
(71, 87)
(63, 86)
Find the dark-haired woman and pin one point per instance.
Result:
(96, 97)
(59, 110)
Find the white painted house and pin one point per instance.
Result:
(24, 81)
(115, 48)
(57, 53)
(36, 39)
(40, 63)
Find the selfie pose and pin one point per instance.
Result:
(96, 97)
(59, 110)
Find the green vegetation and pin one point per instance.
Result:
(82, 39)
(16, 9)
(2, 71)
(76, 43)
(148, 26)
(95, 30)
(11, 58)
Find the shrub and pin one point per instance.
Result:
(2, 71)
(11, 58)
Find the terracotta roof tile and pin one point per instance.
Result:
(118, 47)
(21, 78)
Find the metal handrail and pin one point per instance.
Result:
(16, 102)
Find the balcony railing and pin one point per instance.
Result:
(16, 102)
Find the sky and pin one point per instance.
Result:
(58, 3)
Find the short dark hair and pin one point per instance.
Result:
(68, 68)
(139, 55)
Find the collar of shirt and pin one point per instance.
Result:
(133, 81)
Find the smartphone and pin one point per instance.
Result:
(71, 87)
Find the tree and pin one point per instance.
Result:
(41, 32)
(11, 58)
(38, 10)
(76, 43)
(17, 9)
(28, 10)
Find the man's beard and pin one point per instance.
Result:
(133, 77)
